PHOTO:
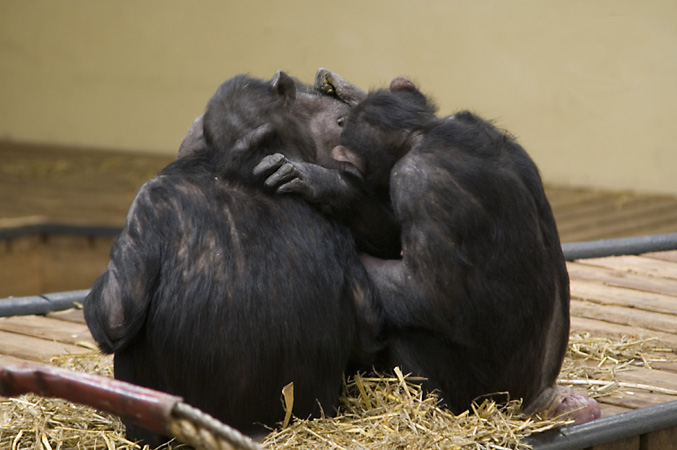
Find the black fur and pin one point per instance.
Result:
(221, 293)
(479, 302)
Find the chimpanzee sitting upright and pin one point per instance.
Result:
(479, 302)
(222, 293)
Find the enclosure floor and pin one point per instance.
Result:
(625, 295)
(93, 187)
(628, 295)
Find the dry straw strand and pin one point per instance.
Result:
(375, 411)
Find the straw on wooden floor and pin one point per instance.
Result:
(376, 411)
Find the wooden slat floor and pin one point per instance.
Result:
(611, 297)
(626, 295)
(588, 215)
(631, 296)
(95, 187)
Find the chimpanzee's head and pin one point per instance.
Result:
(379, 130)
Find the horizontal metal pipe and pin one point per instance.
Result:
(56, 228)
(601, 431)
(572, 251)
(617, 247)
(41, 304)
(609, 429)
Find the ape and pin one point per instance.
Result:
(479, 302)
(222, 293)
(324, 107)
(342, 195)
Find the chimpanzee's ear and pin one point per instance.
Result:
(402, 84)
(284, 86)
(341, 153)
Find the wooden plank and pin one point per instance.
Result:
(611, 410)
(625, 316)
(611, 295)
(599, 328)
(631, 443)
(573, 198)
(661, 229)
(10, 360)
(650, 377)
(665, 256)
(34, 349)
(665, 366)
(71, 263)
(573, 203)
(622, 226)
(637, 264)
(609, 212)
(20, 266)
(46, 328)
(70, 315)
(579, 270)
(659, 440)
(635, 399)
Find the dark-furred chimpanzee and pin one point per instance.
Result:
(341, 195)
(222, 293)
(479, 301)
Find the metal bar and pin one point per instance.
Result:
(56, 228)
(41, 304)
(617, 247)
(572, 251)
(609, 429)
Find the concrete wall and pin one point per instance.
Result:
(588, 86)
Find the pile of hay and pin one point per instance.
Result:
(384, 411)
(392, 412)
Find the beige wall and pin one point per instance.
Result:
(589, 87)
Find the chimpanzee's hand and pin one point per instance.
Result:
(290, 177)
(339, 193)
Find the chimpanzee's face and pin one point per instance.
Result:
(325, 116)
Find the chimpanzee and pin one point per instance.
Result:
(479, 301)
(317, 105)
(222, 293)
(343, 195)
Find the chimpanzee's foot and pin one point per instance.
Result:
(568, 404)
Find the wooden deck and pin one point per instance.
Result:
(94, 187)
(632, 296)
(626, 295)
(61, 185)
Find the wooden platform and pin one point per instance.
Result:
(62, 185)
(589, 214)
(95, 187)
(628, 295)
(632, 296)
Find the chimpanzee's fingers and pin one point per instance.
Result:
(269, 164)
(297, 186)
(284, 174)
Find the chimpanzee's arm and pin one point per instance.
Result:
(340, 194)
(402, 300)
(115, 308)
